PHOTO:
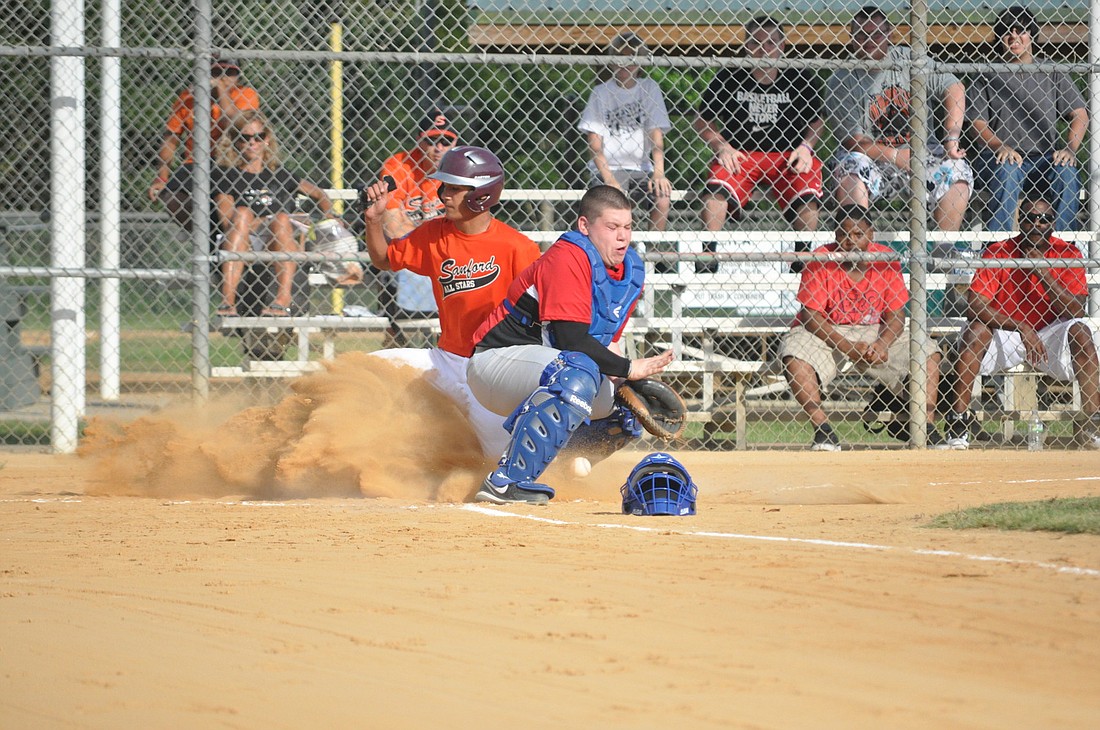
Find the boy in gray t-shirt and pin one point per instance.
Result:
(1015, 116)
(868, 111)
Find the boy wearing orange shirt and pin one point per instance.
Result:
(228, 100)
(470, 257)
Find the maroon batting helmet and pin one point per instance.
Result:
(474, 167)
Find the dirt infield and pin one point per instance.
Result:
(805, 593)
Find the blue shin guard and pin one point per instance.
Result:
(541, 426)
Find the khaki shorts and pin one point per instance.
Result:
(827, 362)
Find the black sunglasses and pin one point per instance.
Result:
(444, 140)
(216, 72)
(1037, 218)
(250, 137)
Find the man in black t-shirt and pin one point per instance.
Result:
(762, 124)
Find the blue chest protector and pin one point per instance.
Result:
(611, 299)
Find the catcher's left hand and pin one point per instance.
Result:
(659, 408)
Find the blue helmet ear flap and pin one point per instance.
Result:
(659, 485)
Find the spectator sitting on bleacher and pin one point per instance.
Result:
(1015, 116)
(255, 195)
(1029, 315)
(625, 121)
(762, 124)
(852, 311)
(869, 111)
(228, 100)
(405, 295)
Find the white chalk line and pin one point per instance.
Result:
(1070, 570)
(1015, 481)
(688, 533)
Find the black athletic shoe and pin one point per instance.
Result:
(935, 439)
(958, 430)
(707, 267)
(825, 439)
(530, 493)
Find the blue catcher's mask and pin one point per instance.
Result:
(659, 485)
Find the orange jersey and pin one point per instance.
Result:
(470, 274)
(416, 193)
(183, 113)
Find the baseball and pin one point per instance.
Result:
(582, 467)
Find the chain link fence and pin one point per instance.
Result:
(745, 141)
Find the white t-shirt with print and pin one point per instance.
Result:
(622, 117)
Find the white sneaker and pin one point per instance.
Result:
(958, 443)
(1088, 433)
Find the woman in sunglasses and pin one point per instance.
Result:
(229, 99)
(255, 194)
(1016, 117)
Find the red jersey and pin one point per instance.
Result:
(558, 286)
(416, 193)
(470, 274)
(827, 288)
(1018, 293)
(182, 118)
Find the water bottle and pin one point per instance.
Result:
(1035, 432)
(960, 275)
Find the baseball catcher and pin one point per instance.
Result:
(658, 408)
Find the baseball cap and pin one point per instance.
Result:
(436, 123)
(225, 63)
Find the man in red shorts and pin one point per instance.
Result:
(762, 124)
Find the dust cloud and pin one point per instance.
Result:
(361, 427)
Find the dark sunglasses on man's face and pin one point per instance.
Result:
(246, 138)
(216, 72)
(1036, 218)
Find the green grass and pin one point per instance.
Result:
(1074, 516)
(771, 432)
(23, 433)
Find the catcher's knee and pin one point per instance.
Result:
(575, 378)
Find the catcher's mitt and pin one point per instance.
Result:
(659, 408)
